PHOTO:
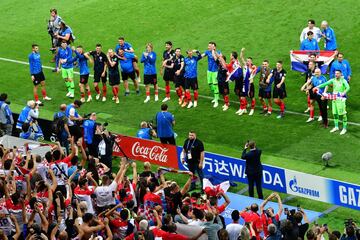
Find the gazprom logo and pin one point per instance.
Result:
(293, 184)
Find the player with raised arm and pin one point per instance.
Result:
(179, 79)
(65, 64)
(114, 75)
(37, 75)
(279, 92)
(191, 77)
(82, 59)
(148, 58)
(168, 66)
(212, 71)
(248, 90)
(127, 70)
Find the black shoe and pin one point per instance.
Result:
(263, 111)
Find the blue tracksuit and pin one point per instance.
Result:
(343, 66)
(83, 65)
(149, 63)
(330, 41)
(35, 63)
(212, 66)
(127, 65)
(309, 45)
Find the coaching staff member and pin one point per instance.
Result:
(253, 168)
(193, 153)
(164, 123)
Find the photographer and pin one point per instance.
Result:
(74, 119)
(30, 114)
(105, 146)
(61, 129)
(253, 168)
(89, 126)
(165, 122)
(295, 217)
(146, 131)
(6, 118)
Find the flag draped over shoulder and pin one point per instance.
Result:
(298, 57)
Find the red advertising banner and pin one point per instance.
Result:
(146, 151)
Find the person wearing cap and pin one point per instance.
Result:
(73, 118)
(6, 117)
(310, 43)
(328, 34)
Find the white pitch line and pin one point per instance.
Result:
(202, 96)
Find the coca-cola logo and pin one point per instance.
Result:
(155, 153)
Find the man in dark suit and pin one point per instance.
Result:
(253, 168)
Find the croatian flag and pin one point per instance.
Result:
(323, 58)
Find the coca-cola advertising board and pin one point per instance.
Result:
(146, 151)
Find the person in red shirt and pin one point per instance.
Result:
(250, 215)
(268, 216)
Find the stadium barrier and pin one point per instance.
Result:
(222, 168)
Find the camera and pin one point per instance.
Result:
(349, 222)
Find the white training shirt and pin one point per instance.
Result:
(315, 30)
(105, 196)
(234, 230)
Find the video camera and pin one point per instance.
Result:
(151, 125)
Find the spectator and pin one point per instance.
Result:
(311, 27)
(6, 117)
(164, 123)
(193, 154)
(328, 34)
(210, 227)
(253, 168)
(272, 232)
(349, 233)
(252, 220)
(310, 43)
(299, 227)
(343, 65)
(234, 228)
(145, 131)
(269, 217)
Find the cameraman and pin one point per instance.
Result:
(74, 119)
(146, 131)
(253, 168)
(30, 114)
(54, 27)
(89, 126)
(6, 117)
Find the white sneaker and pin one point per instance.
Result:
(147, 99)
(156, 98)
(89, 99)
(190, 105)
(226, 107)
(71, 95)
(103, 99)
(113, 98)
(195, 104)
(310, 119)
(242, 111)
(117, 100)
(223, 106)
(216, 104)
(97, 97)
(343, 131)
(212, 101)
(238, 111)
(38, 102)
(166, 99)
(320, 119)
(82, 100)
(68, 94)
(46, 98)
(184, 104)
(251, 112)
(334, 129)
(327, 107)
(307, 110)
